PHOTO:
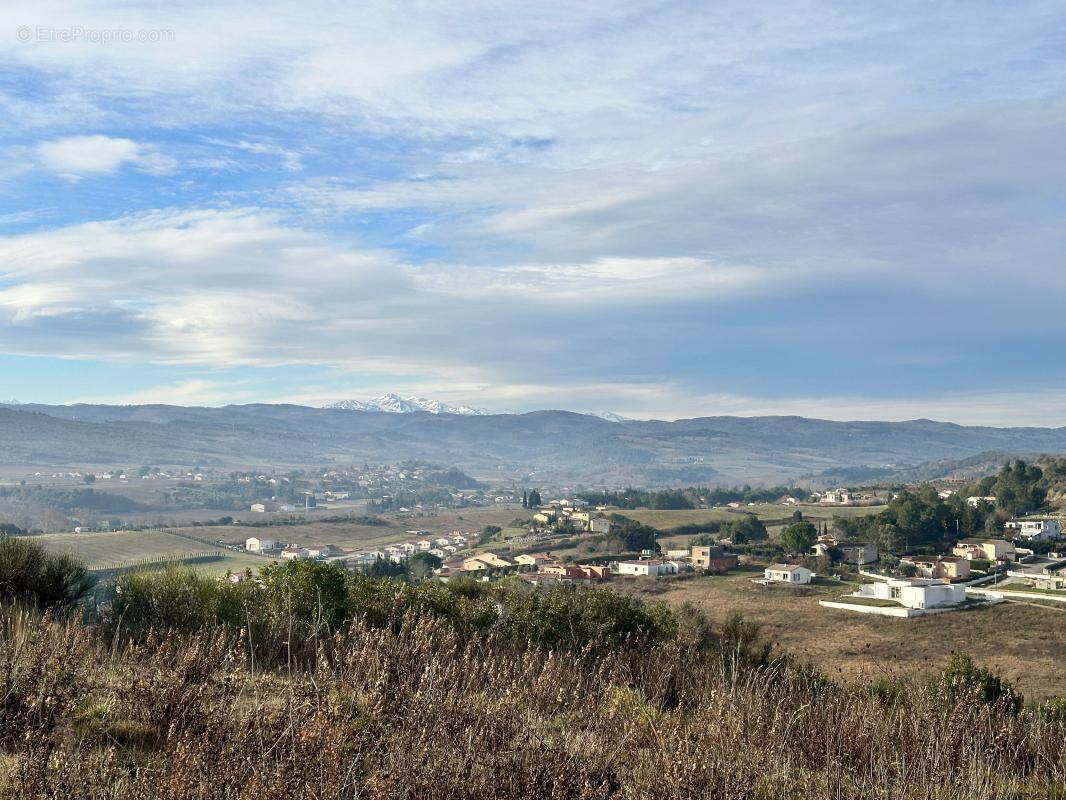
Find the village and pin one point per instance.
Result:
(977, 571)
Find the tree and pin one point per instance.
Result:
(748, 528)
(799, 537)
(489, 532)
(307, 591)
(88, 477)
(534, 499)
(421, 565)
(525, 499)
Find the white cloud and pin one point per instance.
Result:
(75, 156)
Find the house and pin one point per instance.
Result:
(581, 519)
(254, 545)
(533, 559)
(1035, 530)
(985, 549)
(598, 572)
(976, 501)
(713, 558)
(858, 553)
(262, 508)
(423, 545)
(451, 569)
(437, 551)
(362, 560)
(685, 553)
(295, 553)
(915, 593)
(599, 525)
(568, 572)
(838, 496)
(407, 547)
(442, 541)
(483, 561)
(951, 568)
(787, 573)
(323, 551)
(1052, 576)
(649, 567)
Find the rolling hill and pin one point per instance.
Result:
(557, 446)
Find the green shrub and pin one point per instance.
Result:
(49, 580)
(962, 681)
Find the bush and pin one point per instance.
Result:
(180, 599)
(962, 681)
(49, 580)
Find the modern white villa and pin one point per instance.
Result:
(902, 597)
(1035, 530)
(915, 592)
(787, 573)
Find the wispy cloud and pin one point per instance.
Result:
(637, 206)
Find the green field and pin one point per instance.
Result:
(102, 551)
(867, 601)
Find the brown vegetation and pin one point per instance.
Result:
(418, 709)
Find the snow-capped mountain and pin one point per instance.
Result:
(394, 404)
(610, 416)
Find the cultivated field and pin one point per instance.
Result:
(106, 550)
(351, 535)
(1025, 642)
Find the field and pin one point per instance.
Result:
(105, 550)
(665, 519)
(358, 536)
(1025, 642)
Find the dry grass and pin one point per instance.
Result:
(1025, 643)
(665, 519)
(419, 711)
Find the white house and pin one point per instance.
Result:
(915, 593)
(788, 573)
(650, 567)
(254, 545)
(407, 547)
(294, 553)
(841, 496)
(1035, 530)
(423, 545)
(976, 500)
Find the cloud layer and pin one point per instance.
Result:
(663, 209)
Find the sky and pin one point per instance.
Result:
(659, 209)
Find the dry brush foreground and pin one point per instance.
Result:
(416, 709)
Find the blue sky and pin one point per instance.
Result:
(660, 209)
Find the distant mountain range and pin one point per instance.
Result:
(539, 448)
(394, 404)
